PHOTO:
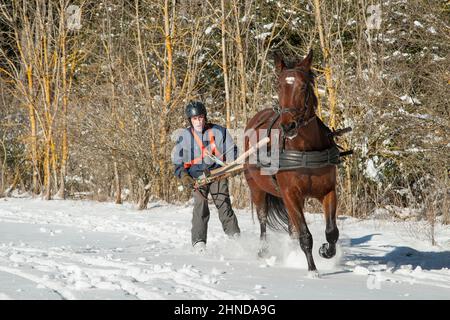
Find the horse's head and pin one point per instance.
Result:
(296, 96)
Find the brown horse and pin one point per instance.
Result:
(279, 198)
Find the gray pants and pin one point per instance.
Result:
(221, 197)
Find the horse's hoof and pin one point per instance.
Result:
(326, 251)
(313, 274)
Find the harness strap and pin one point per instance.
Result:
(269, 128)
(292, 159)
(272, 122)
(203, 150)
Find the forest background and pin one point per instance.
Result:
(91, 93)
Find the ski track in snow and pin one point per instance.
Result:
(90, 250)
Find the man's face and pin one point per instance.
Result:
(198, 122)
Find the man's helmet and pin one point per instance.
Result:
(195, 108)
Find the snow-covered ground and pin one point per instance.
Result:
(88, 250)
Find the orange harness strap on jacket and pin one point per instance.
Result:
(203, 149)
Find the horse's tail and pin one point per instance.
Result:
(277, 216)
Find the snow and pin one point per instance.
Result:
(262, 36)
(371, 171)
(209, 29)
(67, 249)
(437, 58)
(410, 100)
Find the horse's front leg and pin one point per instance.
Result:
(297, 225)
(294, 234)
(329, 202)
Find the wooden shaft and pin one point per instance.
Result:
(233, 168)
(242, 157)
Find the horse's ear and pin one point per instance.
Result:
(307, 62)
(279, 62)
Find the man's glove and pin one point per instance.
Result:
(187, 180)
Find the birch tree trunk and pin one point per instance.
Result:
(169, 33)
(328, 71)
(48, 118)
(117, 183)
(33, 133)
(225, 65)
(65, 147)
(241, 62)
(24, 44)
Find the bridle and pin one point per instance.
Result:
(297, 114)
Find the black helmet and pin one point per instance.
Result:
(195, 108)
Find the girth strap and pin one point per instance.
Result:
(292, 159)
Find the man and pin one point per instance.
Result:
(200, 148)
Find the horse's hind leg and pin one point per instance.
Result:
(329, 202)
(259, 199)
(263, 245)
(261, 211)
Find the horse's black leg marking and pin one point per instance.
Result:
(263, 235)
(306, 243)
(328, 250)
(297, 225)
